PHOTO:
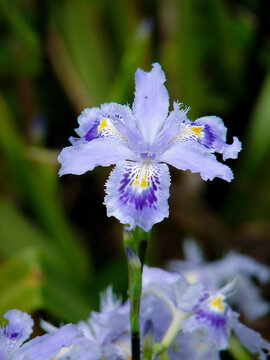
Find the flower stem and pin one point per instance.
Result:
(135, 243)
(237, 350)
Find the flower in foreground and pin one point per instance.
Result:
(14, 335)
(187, 320)
(140, 141)
(105, 335)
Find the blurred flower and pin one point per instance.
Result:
(198, 315)
(104, 335)
(14, 335)
(187, 320)
(217, 273)
(139, 142)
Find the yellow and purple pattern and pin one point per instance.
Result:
(140, 141)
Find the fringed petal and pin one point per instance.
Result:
(137, 193)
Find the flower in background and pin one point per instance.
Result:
(201, 321)
(14, 335)
(187, 320)
(140, 141)
(105, 335)
(216, 274)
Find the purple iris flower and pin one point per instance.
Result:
(200, 319)
(105, 335)
(216, 274)
(140, 141)
(19, 329)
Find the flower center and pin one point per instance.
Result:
(217, 303)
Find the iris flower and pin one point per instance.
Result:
(201, 320)
(140, 141)
(13, 344)
(215, 274)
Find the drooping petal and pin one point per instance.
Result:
(194, 157)
(151, 102)
(213, 135)
(81, 351)
(19, 328)
(234, 264)
(48, 346)
(214, 320)
(192, 346)
(248, 299)
(251, 339)
(81, 157)
(137, 193)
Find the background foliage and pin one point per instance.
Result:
(57, 247)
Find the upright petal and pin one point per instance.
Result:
(151, 102)
(137, 193)
(194, 157)
(110, 121)
(81, 157)
(172, 126)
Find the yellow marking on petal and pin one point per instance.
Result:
(142, 179)
(63, 351)
(108, 130)
(191, 277)
(189, 131)
(198, 130)
(217, 303)
(102, 125)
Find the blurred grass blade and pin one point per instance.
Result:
(76, 21)
(21, 282)
(66, 71)
(21, 28)
(15, 233)
(63, 293)
(257, 144)
(44, 204)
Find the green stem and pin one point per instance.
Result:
(174, 328)
(237, 350)
(135, 243)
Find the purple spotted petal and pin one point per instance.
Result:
(194, 157)
(79, 158)
(137, 193)
(151, 102)
(215, 325)
(214, 133)
(110, 121)
(19, 328)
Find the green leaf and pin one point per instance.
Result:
(21, 282)
(257, 144)
(38, 191)
(77, 24)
